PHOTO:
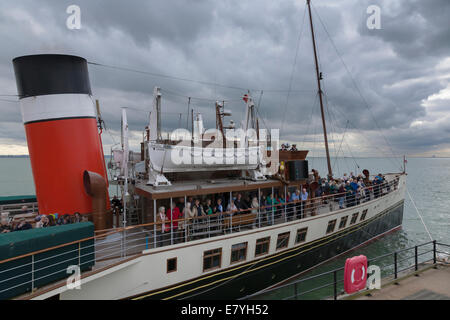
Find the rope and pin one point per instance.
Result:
(418, 213)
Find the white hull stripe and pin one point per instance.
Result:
(56, 107)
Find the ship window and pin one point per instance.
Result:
(343, 222)
(331, 225)
(238, 252)
(363, 215)
(283, 240)
(354, 217)
(171, 265)
(262, 246)
(301, 235)
(212, 259)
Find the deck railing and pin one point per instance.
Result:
(16, 208)
(207, 226)
(115, 245)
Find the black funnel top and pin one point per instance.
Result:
(51, 74)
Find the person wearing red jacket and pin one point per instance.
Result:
(174, 214)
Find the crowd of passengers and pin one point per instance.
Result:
(347, 191)
(351, 190)
(9, 224)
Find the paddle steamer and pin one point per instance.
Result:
(229, 254)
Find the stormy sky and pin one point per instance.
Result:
(386, 91)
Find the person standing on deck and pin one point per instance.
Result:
(341, 192)
(208, 208)
(218, 207)
(293, 206)
(240, 203)
(174, 214)
(232, 207)
(162, 228)
(304, 198)
(198, 208)
(255, 208)
(271, 201)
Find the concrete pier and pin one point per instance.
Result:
(432, 283)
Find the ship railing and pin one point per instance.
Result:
(16, 208)
(30, 270)
(207, 226)
(330, 284)
(119, 244)
(261, 216)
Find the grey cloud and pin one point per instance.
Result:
(249, 45)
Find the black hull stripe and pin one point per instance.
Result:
(285, 255)
(63, 118)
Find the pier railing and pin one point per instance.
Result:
(330, 284)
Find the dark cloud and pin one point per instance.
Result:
(252, 45)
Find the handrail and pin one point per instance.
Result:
(370, 260)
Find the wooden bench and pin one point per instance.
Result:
(237, 220)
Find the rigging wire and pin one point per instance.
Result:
(374, 145)
(354, 82)
(160, 75)
(333, 126)
(173, 93)
(293, 69)
(418, 213)
(310, 119)
(7, 100)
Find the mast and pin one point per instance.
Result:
(318, 74)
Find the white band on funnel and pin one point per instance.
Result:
(57, 106)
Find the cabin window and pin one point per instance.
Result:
(283, 240)
(363, 215)
(331, 225)
(171, 265)
(301, 235)
(343, 222)
(262, 246)
(238, 252)
(212, 259)
(354, 217)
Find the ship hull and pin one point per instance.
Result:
(258, 275)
